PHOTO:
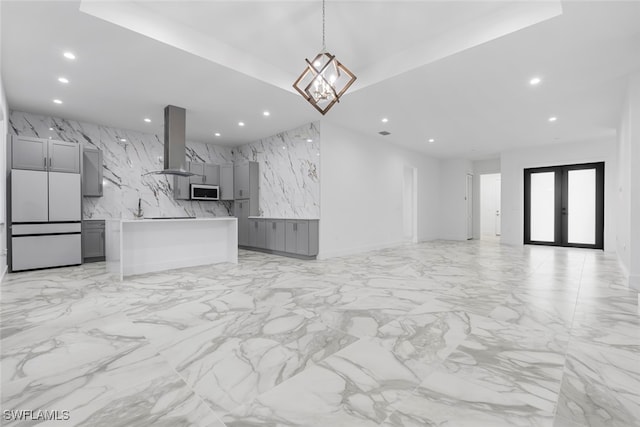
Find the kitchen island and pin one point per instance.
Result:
(147, 245)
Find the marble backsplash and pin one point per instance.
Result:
(289, 171)
(124, 163)
(289, 167)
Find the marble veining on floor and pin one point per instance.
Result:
(468, 334)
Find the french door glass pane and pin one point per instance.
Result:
(543, 206)
(581, 207)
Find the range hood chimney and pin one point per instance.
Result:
(174, 142)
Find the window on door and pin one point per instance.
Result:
(564, 205)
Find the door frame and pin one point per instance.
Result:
(561, 197)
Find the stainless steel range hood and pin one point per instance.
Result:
(174, 142)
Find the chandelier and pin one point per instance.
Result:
(325, 79)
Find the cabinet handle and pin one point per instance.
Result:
(45, 162)
(240, 192)
(50, 162)
(295, 227)
(273, 225)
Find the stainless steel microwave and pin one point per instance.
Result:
(205, 192)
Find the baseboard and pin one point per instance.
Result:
(633, 281)
(361, 249)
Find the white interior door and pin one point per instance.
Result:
(498, 188)
(469, 199)
(410, 204)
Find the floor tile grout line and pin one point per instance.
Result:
(570, 335)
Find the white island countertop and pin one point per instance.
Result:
(138, 246)
(284, 219)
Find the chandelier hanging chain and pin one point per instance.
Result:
(324, 47)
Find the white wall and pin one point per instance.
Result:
(453, 205)
(481, 167)
(514, 162)
(361, 188)
(628, 185)
(289, 179)
(4, 129)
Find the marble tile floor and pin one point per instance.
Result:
(467, 334)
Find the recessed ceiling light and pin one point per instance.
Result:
(535, 81)
(553, 119)
(50, 128)
(431, 140)
(240, 123)
(266, 113)
(63, 80)
(385, 120)
(69, 55)
(147, 119)
(57, 101)
(309, 140)
(123, 139)
(217, 134)
(284, 147)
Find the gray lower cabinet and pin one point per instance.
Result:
(93, 241)
(301, 237)
(92, 172)
(274, 234)
(257, 236)
(297, 237)
(226, 182)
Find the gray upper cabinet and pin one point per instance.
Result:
(29, 153)
(181, 185)
(245, 180)
(226, 182)
(43, 154)
(211, 174)
(92, 172)
(197, 168)
(64, 157)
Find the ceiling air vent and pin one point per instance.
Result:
(384, 133)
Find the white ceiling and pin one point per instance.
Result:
(454, 71)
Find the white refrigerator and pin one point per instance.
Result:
(45, 219)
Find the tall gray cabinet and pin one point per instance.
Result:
(92, 172)
(245, 187)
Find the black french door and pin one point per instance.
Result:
(564, 205)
